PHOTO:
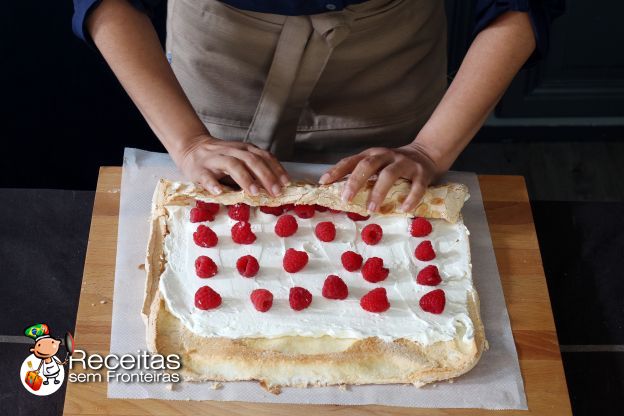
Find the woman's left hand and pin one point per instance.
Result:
(410, 162)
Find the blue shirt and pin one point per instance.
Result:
(541, 12)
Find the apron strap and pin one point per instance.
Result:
(303, 49)
(281, 76)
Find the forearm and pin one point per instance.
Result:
(494, 58)
(129, 43)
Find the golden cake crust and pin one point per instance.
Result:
(444, 201)
(296, 360)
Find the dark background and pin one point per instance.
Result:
(64, 114)
(560, 125)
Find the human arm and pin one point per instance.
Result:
(493, 59)
(128, 42)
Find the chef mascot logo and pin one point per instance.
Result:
(42, 372)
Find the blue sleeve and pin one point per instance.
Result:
(541, 13)
(82, 8)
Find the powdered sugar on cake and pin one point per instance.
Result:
(237, 317)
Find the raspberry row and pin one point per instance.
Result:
(299, 298)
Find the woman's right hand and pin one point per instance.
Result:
(126, 38)
(206, 160)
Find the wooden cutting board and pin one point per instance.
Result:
(524, 285)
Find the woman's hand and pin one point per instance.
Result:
(126, 38)
(410, 162)
(206, 160)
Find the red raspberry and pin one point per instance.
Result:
(375, 301)
(420, 227)
(294, 260)
(335, 211)
(304, 211)
(200, 215)
(242, 234)
(335, 288)
(211, 207)
(373, 270)
(325, 231)
(357, 217)
(288, 207)
(424, 251)
(433, 302)
(429, 276)
(299, 298)
(320, 208)
(277, 211)
(371, 234)
(239, 212)
(206, 298)
(351, 260)
(286, 226)
(247, 266)
(262, 299)
(205, 237)
(205, 267)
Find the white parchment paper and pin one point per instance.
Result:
(495, 383)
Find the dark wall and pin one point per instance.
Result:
(583, 75)
(63, 112)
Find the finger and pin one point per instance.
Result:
(210, 182)
(384, 182)
(340, 169)
(372, 151)
(259, 168)
(417, 191)
(362, 172)
(273, 164)
(237, 170)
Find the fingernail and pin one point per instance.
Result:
(324, 178)
(347, 195)
(277, 190)
(284, 180)
(253, 189)
(372, 207)
(216, 190)
(404, 208)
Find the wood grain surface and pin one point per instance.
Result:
(524, 285)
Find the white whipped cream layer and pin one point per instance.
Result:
(237, 318)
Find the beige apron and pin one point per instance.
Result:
(369, 75)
